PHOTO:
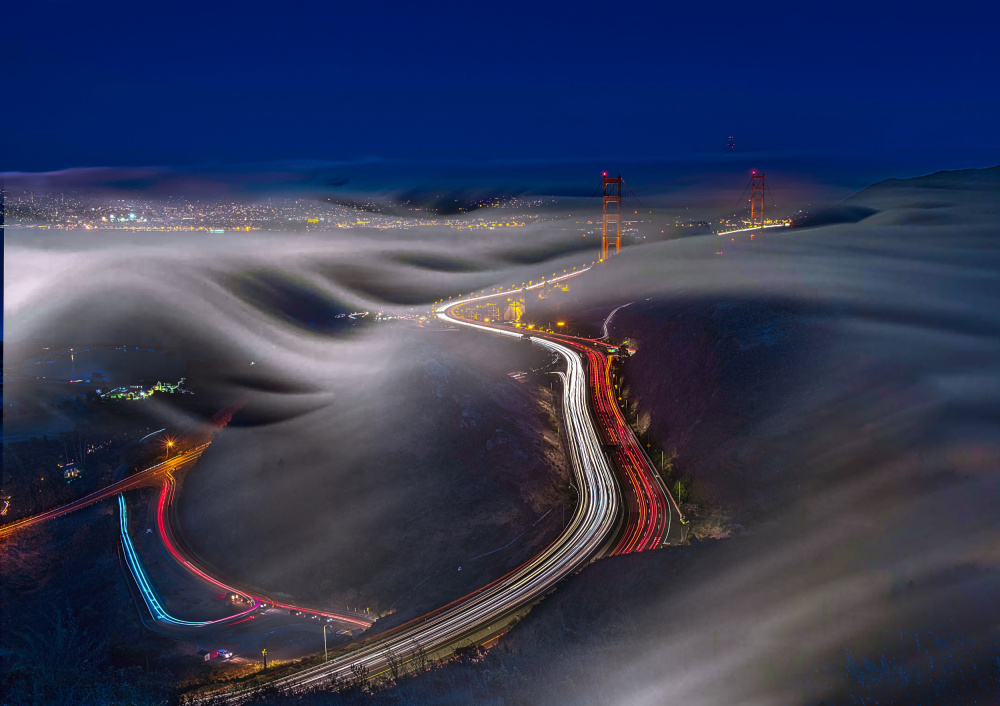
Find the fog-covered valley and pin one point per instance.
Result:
(828, 393)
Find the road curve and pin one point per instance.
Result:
(652, 516)
(147, 476)
(181, 554)
(488, 610)
(154, 605)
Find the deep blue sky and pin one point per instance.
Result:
(191, 84)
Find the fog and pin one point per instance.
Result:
(876, 492)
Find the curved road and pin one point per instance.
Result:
(487, 612)
(653, 517)
(149, 476)
(162, 473)
(183, 556)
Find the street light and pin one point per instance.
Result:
(325, 656)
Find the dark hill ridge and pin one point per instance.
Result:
(964, 180)
(850, 429)
(923, 197)
(376, 499)
(706, 373)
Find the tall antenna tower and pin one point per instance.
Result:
(731, 144)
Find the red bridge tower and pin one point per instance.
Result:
(756, 199)
(611, 214)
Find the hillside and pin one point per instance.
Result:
(832, 393)
(384, 489)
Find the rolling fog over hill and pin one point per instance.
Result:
(394, 477)
(830, 390)
(542, 353)
(833, 392)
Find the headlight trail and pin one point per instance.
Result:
(486, 612)
(144, 477)
(149, 595)
(169, 538)
(653, 507)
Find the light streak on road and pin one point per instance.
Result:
(650, 508)
(490, 608)
(492, 295)
(649, 518)
(149, 596)
(607, 320)
(169, 538)
(133, 481)
(647, 504)
(747, 230)
(151, 434)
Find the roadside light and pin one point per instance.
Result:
(560, 323)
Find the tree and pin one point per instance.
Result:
(419, 656)
(680, 490)
(394, 662)
(361, 678)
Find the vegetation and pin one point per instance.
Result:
(68, 631)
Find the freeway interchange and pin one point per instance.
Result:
(149, 476)
(487, 612)
(162, 474)
(606, 521)
(623, 506)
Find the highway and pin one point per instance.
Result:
(162, 474)
(180, 554)
(652, 516)
(149, 476)
(647, 515)
(607, 320)
(486, 612)
(149, 595)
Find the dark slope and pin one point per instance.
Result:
(852, 431)
(376, 499)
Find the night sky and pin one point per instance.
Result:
(906, 86)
